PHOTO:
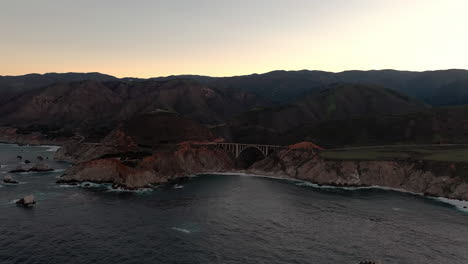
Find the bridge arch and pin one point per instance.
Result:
(244, 148)
(237, 148)
(248, 156)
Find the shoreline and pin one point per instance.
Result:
(460, 205)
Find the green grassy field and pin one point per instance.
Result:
(435, 153)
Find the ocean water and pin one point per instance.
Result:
(220, 219)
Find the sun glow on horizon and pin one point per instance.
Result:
(225, 38)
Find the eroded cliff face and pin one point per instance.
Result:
(441, 179)
(159, 167)
(113, 144)
(13, 136)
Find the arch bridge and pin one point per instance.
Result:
(238, 148)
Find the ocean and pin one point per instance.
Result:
(220, 219)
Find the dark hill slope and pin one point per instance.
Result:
(278, 86)
(448, 125)
(340, 102)
(11, 86)
(88, 105)
(287, 86)
(439, 88)
(153, 129)
(188, 98)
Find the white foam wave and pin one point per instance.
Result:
(66, 186)
(51, 148)
(13, 184)
(13, 201)
(92, 185)
(137, 191)
(177, 186)
(182, 230)
(460, 205)
(243, 174)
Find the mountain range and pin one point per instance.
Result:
(280, 107)
(438, 88)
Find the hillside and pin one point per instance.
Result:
(153, 129)
(96, 107)
(11, 86)
(288, 123)
(438, 88)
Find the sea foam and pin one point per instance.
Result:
(51, 148)
(182, 230)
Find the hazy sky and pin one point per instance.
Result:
(144, 38)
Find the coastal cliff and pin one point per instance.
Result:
(441, 179)
(165, 148)
(160, 167)
(16, 136)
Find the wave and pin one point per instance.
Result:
(82, 184)
(460, 205)
(50, 148)
(13, 201)
(177, 186)
(66, 186)
(182, 230)
(123, 190)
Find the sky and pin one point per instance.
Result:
(148, 38)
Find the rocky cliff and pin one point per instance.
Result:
(16, 136)
(138, 172)
(442, 179)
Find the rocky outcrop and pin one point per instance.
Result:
(113, 144)
(141, 134)
(9, 179)
(15, 136)
(441, 179)
(157, 168)
(76, 152)
(27, 201)
(19, 169)
(38, 167)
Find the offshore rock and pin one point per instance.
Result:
(27, 201)
(40, 167)
(9, 179)
(19, 169)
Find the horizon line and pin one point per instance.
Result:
(230, 76)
